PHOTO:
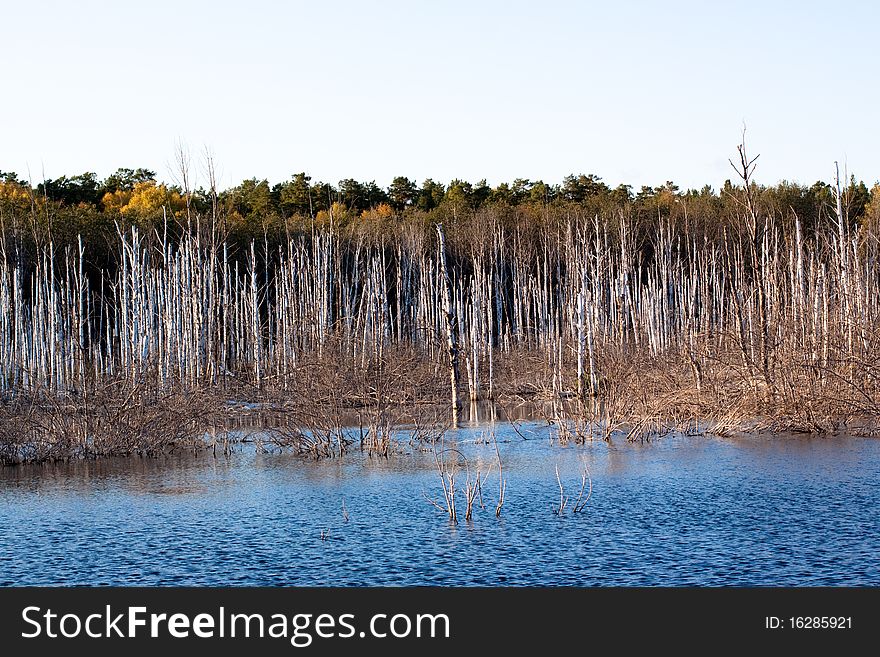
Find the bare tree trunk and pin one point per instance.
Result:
(451, 343)
(757, 244)
(581, 343)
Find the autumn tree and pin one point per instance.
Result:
(871, 215)
(15, 195)
(147, 199)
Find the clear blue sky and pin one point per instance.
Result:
(636, 92)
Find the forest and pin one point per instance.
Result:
(63, 209)
(140, 316)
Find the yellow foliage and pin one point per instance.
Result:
(340, 212)
(666, 199)
(234, 219)
(148, 198)
(871, 217)
(115, 201)
(15, 195)
(341, 215)
(381, 211)
(872, 208)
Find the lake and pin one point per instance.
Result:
(676, 511)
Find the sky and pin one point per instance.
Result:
(635, 92)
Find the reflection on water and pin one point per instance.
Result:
(676, 511)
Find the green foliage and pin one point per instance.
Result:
(622, 195)
(83, 188)
(66, 207)
(459, 196)
(403, 193)
(10, 177)
(124, 180)
(374, 195)
(578, 189)
(294, 197)
(358, 197)
(430, 195)
(251, 198)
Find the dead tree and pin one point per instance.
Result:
(449, 319)
(756, 233)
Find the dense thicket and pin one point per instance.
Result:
(126, 302)
(66, 209)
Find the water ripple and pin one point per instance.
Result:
(680, 511)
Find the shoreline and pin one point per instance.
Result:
(616, 321)
(51, 430)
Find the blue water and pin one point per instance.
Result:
(768, 510)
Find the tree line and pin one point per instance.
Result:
(83, 207)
